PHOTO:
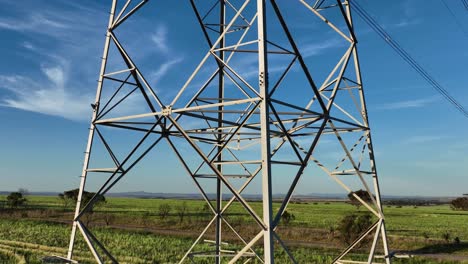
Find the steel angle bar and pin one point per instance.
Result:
(187, 168)
(357, 241)
(304, 110)
(298, 54)
(118, 72)
(241, 238)
(131, 12)
(235, 46)
(136, 73)
(91, 130)
(286, 134)
(247, 247)
(229, 139)
(285, 248)
(109, 150)
(340, 76)
(369, 138)
(215, 170)
(103, 188)
(89, 243)
(327, 83)
(344, 186)
(351, 150)
(283, 75)
(237, 10)
(286, 51)
(299, 173)
(117, 125)
(114, 94)
(347, 20)
(334, 105)
(222, 35)
(118, 80)
(343, 145)
(197, 240)
(317, 13)
(237, 75)
(116, 104)
(124, 8)
(98, 243)
(374, 242)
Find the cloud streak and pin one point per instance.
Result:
(423, 139)
(33, 23)
(314, 49)
(49, 97)
(160, 39)
(415, 103)
(164, 68)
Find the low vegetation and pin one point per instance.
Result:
(161, 230)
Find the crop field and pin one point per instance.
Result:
(135, 232)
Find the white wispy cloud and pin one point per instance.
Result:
(415, 103)
(409, 16)
(54, 85)
(49, 97)
(35, 23)
(164, 68)
(405, 23)
(29, 46)
(313, 49)
(423, 139)
(160, 39)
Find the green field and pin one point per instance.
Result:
(135, 233)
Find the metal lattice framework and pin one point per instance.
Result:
(247, 126)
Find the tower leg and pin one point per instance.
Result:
(219, 194)
(89, 145)
(265, 133)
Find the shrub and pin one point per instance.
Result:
(460, 203)
(72, 195)
(15, 199)
(352, 226)
(364, 195)
(164, 210)
(181, 211)
(287, 218)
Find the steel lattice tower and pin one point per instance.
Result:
(247, 125)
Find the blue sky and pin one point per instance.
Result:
(50, 63)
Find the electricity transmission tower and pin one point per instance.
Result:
(240, 128)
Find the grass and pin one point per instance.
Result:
(133, 239)
(430, 221)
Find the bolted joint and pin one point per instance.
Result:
(167, 111)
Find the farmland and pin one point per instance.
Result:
(136, 233)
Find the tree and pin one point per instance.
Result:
(364, 195)
(16, 199)
(352, 226)
(66, 201)
(460, 203)
(164, 210)
(287, 217)
(23, 191)
(72, 195)
(181, 211)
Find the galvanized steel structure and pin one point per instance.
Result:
(243, 121)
